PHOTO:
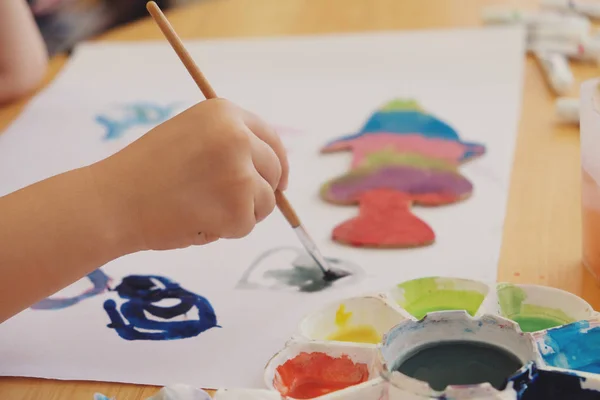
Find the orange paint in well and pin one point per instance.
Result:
(311, 375)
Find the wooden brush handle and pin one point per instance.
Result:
(167, 29)
(286, 209)
(177, 45)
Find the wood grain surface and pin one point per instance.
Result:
(542, 232)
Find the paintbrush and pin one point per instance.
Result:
(329, 274)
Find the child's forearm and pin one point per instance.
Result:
(23, 55)
(53, 233)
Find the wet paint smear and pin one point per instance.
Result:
(422, 296)
(311, 375)
(290, 268)
(352, 333)
(132, 115)
(530, 317)
(402, 156)
(460, 363)
(574, 346)
(141, 292)
(100, 284)
(535, 384)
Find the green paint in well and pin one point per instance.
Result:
(534, 324)
(425, 295)
(530, 317)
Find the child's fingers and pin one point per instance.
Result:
(265, 161)
(268, 135)
(264, 199)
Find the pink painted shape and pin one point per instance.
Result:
(448, 150)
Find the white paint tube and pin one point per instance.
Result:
(555, 68)
(567, 29)
(588, 8)
(567, 110)
(585, 49)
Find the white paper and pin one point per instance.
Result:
(317, 89)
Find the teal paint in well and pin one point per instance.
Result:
(459, 363)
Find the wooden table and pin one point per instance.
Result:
(542, 234)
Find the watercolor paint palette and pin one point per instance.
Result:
(440, 338)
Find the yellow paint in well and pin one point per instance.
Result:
(352, 333)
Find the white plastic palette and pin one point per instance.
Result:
(367, 336)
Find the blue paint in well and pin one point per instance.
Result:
(574, 346)
(539, 384)
(137, 114)
(141, 293)
(99, 281)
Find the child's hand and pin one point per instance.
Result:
(208, 173)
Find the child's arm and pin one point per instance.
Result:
(23, 55)
(212, 170)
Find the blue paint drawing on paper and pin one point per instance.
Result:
(133, 115)
(141, 293)
(100, 282)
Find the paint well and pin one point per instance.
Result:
(535, 384)
(530, 317)
(460, 363)
(534, 324)
(574, 346)
(422, 296)
(311, 375)
(347, 332)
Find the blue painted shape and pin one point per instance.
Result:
(409, 122)
(573, 346)
(140, 293)
(137, 114)
(540, 384)
(474, 150)
(406, 122)
(99, 281)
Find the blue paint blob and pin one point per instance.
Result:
(141, 292)
(535, 384)
(573, 346)
(138, 114)
(100, 284)
(409, 122)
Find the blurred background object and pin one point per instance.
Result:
(64, 23)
